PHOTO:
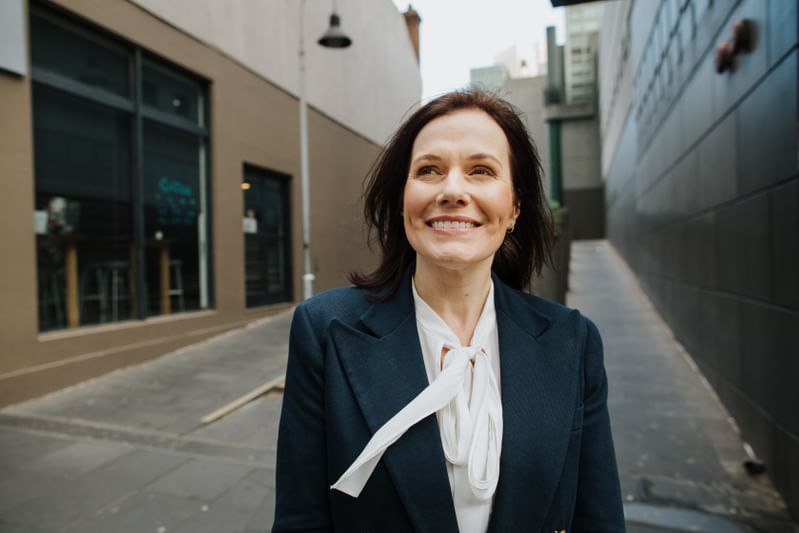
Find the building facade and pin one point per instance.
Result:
(573, 123)
(583, 23)
(150, 156)
(699, 119)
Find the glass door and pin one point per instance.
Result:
(266, 237)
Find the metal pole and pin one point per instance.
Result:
(308, 277)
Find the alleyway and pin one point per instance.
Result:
(128, 452)
(679, 457)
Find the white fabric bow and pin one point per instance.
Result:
(466, 398)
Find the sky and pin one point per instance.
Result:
(457, 35)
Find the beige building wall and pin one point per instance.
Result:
(368, 87)
(253, 121)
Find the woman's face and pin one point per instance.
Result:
(458, 201)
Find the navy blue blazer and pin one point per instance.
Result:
(353, 364)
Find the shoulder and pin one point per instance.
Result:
(566, 332)
(544, 315)
(346, 304)
(552, 310)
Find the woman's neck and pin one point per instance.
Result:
(456, 295)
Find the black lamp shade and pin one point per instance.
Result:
(334, 37)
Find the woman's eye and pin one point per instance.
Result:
(485, 171)
(426, 171)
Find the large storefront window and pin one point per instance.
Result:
(121, 201)
(266, 237)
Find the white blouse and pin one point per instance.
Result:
(472, 511)
(465, 396)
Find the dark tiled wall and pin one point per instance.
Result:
(703, 202)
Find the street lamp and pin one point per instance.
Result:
(333, 38)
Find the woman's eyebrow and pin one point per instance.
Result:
(473, 157)
(484, 156)
(428, 157)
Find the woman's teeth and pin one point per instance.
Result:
(449, 224)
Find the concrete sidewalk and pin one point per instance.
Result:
(128, 453)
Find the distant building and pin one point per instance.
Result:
(573, 125)
(492, 77)
(526, 94)
(150, 155)
(583, 23)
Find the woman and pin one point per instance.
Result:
(435, 395)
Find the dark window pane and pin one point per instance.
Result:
(59, 50)
(173, 203)
(83, 210)
(171, 93)
(266, 235)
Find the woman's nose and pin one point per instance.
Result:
(453, 189)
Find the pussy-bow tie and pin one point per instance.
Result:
(466, 399)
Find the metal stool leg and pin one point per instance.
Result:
(55, 296)
(103, 292)
(177, 275)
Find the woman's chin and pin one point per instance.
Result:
(454, 262)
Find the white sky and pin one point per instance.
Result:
(457, 35)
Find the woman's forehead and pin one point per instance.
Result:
(469, 130)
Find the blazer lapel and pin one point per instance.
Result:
(386, 371)
(539, 381)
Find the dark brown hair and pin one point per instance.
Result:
(523, 251)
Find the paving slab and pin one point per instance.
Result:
(20, 447)
(236, 509)
(67, 505)
(200, 479)
(142, 512)
(76, 459)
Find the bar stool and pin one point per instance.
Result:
(94, 292)
(119, 277)
(51, 295)
(175, 268)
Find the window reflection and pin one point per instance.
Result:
(171, 94)
(173, 200)
(57, 49)
(83, 210)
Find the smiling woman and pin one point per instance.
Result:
(435, 395)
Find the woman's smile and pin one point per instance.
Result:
(453, 225)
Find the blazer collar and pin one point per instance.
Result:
(381, 318)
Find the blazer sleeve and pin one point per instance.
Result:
(301, 471)
(598, 505)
